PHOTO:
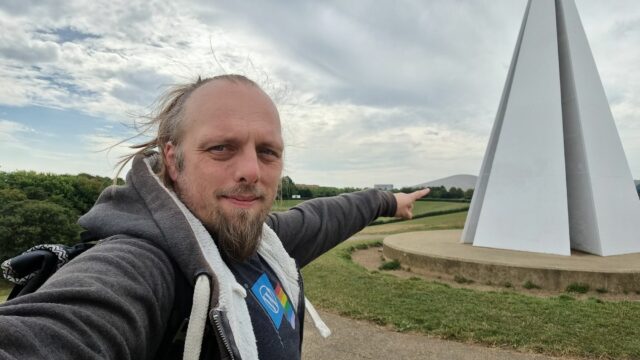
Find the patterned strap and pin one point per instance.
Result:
(60, 251)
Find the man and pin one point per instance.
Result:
(193, 219)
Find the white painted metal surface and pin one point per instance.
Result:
(554, 176)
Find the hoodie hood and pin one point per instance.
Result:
(145, 208)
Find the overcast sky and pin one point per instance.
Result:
(398, 92)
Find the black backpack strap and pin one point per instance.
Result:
(33, 267)
(30, 270)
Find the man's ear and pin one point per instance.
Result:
(169, 153)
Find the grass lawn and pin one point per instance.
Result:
(559, 325)
(5, 289)
(449, 221)
(425, 207)
(283, 205)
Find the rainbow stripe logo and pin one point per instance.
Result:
(289, 314)
(274, 302)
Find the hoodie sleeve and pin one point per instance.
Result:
(111, 302)
(315, 226)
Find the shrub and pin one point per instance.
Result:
(462, 280)
(530, 285)
(580, 288)
(390, 265)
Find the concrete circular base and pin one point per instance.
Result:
(440, 252)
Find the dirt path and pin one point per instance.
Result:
(355, 340)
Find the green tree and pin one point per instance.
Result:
(305, 193)
(37, 208)
(407, 189)
(456, 193)
(76, 192)
(26, 223)
(468, 194)
(438, 192)
(287, 188)
(11, 195)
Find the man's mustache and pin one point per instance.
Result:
(243, 190)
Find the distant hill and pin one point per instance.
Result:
(462, 181)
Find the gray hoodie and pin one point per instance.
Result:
(114, 301)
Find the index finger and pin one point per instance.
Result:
(420, 193)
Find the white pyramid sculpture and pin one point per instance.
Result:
(554, 176)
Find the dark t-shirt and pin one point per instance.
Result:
(275, 322)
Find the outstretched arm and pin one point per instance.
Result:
(315, 226)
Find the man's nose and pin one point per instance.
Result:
(248, 167)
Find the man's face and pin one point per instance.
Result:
(232, 149)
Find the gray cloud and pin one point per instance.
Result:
(140, 86)
(31, 53)
(367, 90)
(416, 54)
(22, 47)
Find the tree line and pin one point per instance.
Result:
(440, 192)
(288, 189)
(37, 208)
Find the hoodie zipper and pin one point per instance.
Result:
(216, 320)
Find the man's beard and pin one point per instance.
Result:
(238, 234)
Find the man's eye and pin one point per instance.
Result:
(217, 148)
(270, 152)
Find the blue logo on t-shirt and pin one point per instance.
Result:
(266, 296)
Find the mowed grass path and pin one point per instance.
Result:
(559, 325)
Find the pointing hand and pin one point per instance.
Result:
(405, 202)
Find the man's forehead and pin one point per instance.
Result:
(229, 97)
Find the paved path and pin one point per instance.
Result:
(356, 340)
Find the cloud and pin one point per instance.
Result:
(9, 129)
(22, 46)
(386, 54)
(24, 148)
(341, 145)
(400, 93)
